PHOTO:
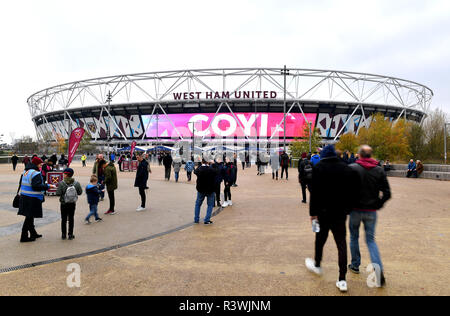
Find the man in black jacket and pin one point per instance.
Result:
(206, 177)
(141, 180)
(167, 162)
(284, 163)
(331, 201)
(305, 169)
(54, 159)
(14, 160)
(373, 181)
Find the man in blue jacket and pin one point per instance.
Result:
(412, 169)
(315, 159)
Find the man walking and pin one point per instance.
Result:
(205, 189)
(167, 162)
(332, 181)
(14, 160)
(373, 181)
(284, 162)
(305, 171)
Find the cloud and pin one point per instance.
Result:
(47, 42)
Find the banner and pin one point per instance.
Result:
(133, 146)
(74, 142)
(227, 125)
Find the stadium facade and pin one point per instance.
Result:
(240, 103)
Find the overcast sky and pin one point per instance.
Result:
(45, 42)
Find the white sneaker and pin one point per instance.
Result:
(140, 209)
(311, 266)
(225, 204)
(230, 203)
(342, 286)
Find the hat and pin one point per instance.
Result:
(328, 152)
(69, 172)
(304, 156)
(36, 161)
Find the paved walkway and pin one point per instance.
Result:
(256, 247)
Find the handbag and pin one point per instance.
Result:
(16, 201)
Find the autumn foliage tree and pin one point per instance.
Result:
(299, 146)
(389, 140)
(348, 142)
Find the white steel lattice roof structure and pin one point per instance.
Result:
(165, 89)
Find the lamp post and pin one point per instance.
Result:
(310, 135)
(109, 100)
(445, 142)
(284, 72)
(193, 136)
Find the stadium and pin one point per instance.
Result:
(241, 103)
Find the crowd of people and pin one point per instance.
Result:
(341, 185)
(33, 187)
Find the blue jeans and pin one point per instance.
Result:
(369, 219)
(177, 176)
(93, 208)
(198, 204)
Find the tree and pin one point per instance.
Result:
(416, 139)
(389, 140)
(26, 145)
(86, 145)
(348, 142)
(61, 144)
(434, 135)
(299, 146)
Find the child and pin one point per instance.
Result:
(93, 197)
(68, 191)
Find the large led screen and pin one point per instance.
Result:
(226, 125)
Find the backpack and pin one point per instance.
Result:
(308, 171)
(71, 195)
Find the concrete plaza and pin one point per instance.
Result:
(255, 247)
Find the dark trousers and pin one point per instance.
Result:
(283, 169)
(28, 226)
(168, 171)
(120, 166)
(217, 192)
(227, 191)
(67, 215)
(189, 176)
(412, 174)
(14, 166)
(243, 165)
(112, 200)
(102, 186)
(84, 163)
(143, 197)
(339, 231)
(305, 184)
(274, 173)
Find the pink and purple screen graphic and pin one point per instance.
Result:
(226, 125)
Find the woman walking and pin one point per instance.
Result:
(32, 190)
